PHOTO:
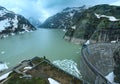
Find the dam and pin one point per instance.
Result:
(96, 59)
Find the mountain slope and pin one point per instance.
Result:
(64, 19)
(34, 22)
(11, 23)
(94, 18)
(81, 23)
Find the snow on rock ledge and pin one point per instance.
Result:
(5, 76)
(52, 81)
(110, 77)
(111, 18)
(3, 66)
(28, 67)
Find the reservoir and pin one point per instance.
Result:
(42, 42)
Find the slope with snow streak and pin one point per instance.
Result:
(111, 18)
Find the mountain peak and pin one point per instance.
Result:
(13, 23)
(64, 19)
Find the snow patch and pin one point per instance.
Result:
(25, 27)
(29, 67)
(64, 30)
(5, 76)
(4, 24)
(52, 81)
(71, 14)
(113, 41)
(110, 77)
(73, 27)
(15, 22)
(111, 18)
(87, 42)
(98, 16)
(3, 66)
(12, 34)
(68, 66)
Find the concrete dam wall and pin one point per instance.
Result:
(97, 61)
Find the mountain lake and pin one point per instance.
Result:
(42, 42)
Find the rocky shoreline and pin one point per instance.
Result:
(38, 71)
(74, 40)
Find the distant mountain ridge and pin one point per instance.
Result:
(64, 19)
(11, 23)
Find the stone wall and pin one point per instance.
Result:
(74, 40)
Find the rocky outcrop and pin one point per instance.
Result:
(106, 35)
(64, 19)
(117, 65)
(11, 23)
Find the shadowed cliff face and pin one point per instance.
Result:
(106, 35)
(117, 65)
(11, 23)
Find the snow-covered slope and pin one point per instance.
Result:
(11, 23)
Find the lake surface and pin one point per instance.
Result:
(42, 42)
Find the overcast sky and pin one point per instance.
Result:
(42, 9)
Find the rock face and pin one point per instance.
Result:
(64, 19)
(107, 35)
(97, 17)
(117, 65)
(11, 23)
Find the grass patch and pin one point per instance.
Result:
(15, 79)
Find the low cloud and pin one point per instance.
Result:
(42, 9)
